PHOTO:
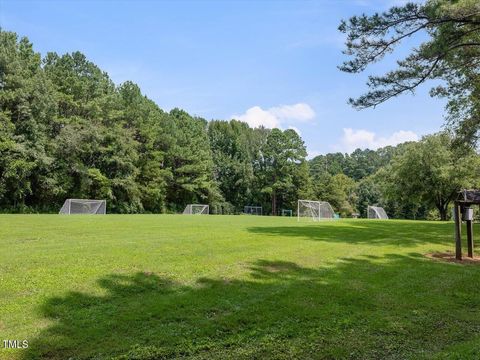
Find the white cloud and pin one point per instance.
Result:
(277, 116)
(256, 116)
(301, 112)
(363, 139)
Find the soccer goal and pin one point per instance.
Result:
(376, 212)
(196, 209)
(84, 206)
(286, 212)
(314, 210)
(253, 210)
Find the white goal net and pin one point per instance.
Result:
(376, 212)
(287, 212)
(196, 209)
(252, 210)
(314, 210)
(84, 206)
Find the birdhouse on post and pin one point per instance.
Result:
(464, 212)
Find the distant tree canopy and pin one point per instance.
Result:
(356, 165)
(67, 131)
(450, 53)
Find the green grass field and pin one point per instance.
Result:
(239, 287)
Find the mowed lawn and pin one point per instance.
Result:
(239, 287)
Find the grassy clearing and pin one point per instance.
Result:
(147, 287)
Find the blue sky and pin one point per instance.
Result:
(265, 62)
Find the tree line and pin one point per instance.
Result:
(414, 180)
(67, 131)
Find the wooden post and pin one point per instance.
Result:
(458, 231)
(470, 238)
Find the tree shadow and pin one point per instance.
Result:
(371, 307)
(366, 232)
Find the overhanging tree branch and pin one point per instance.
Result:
(449, 55)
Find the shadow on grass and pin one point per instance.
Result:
(371, 232)
(377, 308)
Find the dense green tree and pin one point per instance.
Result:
(357, 165)
(362, 163)
(190, 159)
(83, 90)
(431, 172)
(97, 145)
(332, 164)
(376, 190)
(338, 190)
(368, 192)
(449, 32)
(27, 110)
(153, 131)
(284, 168)
(233, 152)
(93, 160)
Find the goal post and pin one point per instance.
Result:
(196, 209)
(326, 211)
(84, 206)
(253, 210)
(376, 212)
(287, 212)
(314, 210)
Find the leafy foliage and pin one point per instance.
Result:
(284, 172)
(431, 172)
